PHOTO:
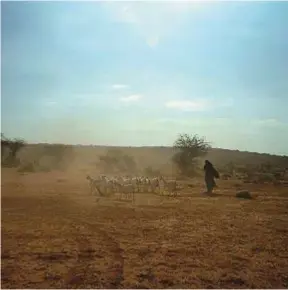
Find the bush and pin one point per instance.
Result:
(59, 156)
(115, 160)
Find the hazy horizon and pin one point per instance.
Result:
(153, 146)
(140, 73)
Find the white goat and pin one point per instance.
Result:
(144, 184)
(154, 183)
(170, 186)
(135, 182)
(128, 191)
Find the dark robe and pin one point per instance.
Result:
(210, 174)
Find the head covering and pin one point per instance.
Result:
(207, 162)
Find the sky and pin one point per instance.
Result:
(140, 73)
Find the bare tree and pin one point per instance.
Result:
(188, 148)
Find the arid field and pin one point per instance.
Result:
(55, 234)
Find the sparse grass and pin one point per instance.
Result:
(54, 235)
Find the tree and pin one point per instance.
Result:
(188, 148)
(11, 147)
(4, 146)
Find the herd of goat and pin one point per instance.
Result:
(128, 186)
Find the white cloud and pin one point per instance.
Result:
(152, 20)
(152, 41)
(119, 86)
(131, 98)
(186, 105)
(268, 123)
(50, 103)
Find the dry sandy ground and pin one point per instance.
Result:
(54, 235)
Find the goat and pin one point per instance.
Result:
(169, 186)
(128, 190)
(154, 183)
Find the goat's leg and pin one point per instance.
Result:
(91, 189)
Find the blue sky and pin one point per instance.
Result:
(139, 73)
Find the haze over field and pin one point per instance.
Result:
(139, 73)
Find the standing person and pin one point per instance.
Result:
(210, 174)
